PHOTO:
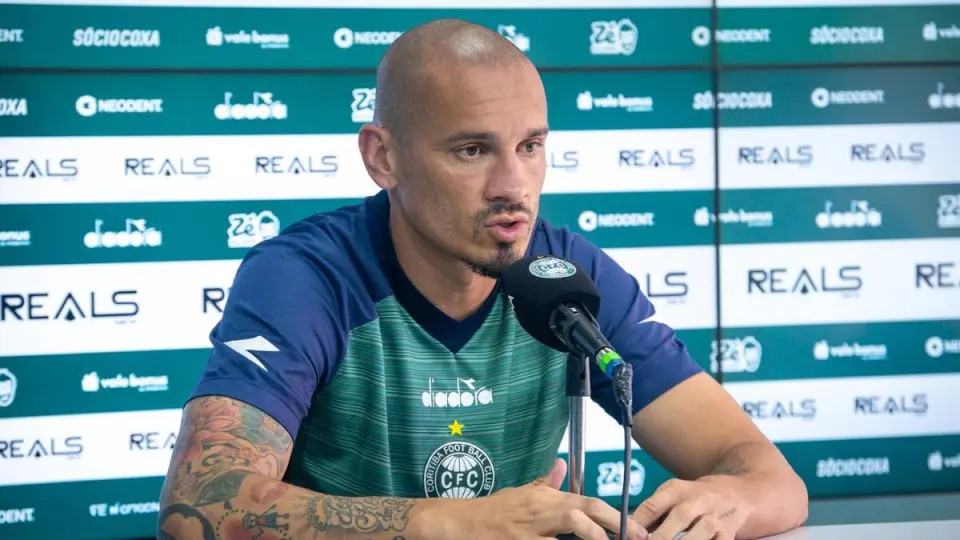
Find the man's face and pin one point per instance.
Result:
(472, 168)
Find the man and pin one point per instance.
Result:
(368, 380)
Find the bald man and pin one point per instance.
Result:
(369, 380)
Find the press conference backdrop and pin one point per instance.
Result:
(807, 251)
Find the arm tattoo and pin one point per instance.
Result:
(368, 515)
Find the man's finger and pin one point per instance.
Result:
(609, 517)
(554, 478)
(577, 522)
(657, 505)
(706, 528)
(681, 517)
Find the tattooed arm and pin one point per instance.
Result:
(223, 483)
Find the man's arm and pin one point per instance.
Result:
(730, 476)
(224, 483)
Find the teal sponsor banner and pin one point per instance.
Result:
(104, 382)
(837, 350)
(835, 96)
(603, 475)
(323, 38)
(631, 219)
(876, 466)
(154, 231)
(831, 214)
(835, 35)
(125, 508)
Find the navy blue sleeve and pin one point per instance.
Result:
(278, 340)
(660, 361)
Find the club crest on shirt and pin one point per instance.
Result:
(458, 470)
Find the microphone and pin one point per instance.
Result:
(555, 301)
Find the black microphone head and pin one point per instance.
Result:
(539, 284)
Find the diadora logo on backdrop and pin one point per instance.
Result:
(846, 35)
(613, 37)
(658, 157)
(936, 461)
(135, 234)
(936, 346)
(590, 221)
(120, 306)
(346, 38)
(14, 238)
(610, 478)
(859, 215)
(823, 97)
(198, 166)
(701, 35)
(11, 35)
(13, 106)
(940, 275)
(586, 101)
(41, 447)
(362, 105)
(262, 106)
(735, 355)
(805, 409)
(672, 286)
(843, 280)
(88, 106)
(801, 155)
(66, 168)
(468, 393)
(948, 211)
(704, 101)
(249, 229)
(8, 387)
(943, 100)
(913, 152)
(216, 37)
(915, 404)
(703, 217)
(92, 382)
(932, 32)
(861, 466)
(305, 164)
(510, 32)
(114, 37)
(823, 350)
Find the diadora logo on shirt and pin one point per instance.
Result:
(613, 37)
(263, 106)
(468, 393)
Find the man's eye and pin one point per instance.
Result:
(531, 147)
(471, 151)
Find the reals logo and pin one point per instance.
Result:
(68, 447)
(215, 299)
(776, 155)
(859, 215)
(822, 98)
(509, 31)
(568, 160)
(705, 101)
(936, 276)
(65, 168)
(346, 38)
(805, 409)
(152, 440)
(311, 164)
(8, 387)
(13, 106)
(151, 166)
(364, 100)
(671, 286)
(589, 220)
(916, 405)
(469, 395)
(248, 230)
(216, 38)
(586, 101)
(118, 305)
(135, 234)
(613, 37)
(735, 355)
(932, 33)
(88, 106)
(610, 478)
(263, 106)
(670, 157)
(943, 100)
(912, 152)
(936, 346)
(844, 280)
(948, 211)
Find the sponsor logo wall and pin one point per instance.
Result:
(816, 275)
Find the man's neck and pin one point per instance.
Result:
(446, 282)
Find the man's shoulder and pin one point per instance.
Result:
(549, 239)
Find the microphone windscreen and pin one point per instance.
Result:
(539, 284)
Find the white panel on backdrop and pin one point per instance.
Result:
(830, 156)
(74, 447)
(852, 407)
(73, 309)
(679, 281)
(836, 282)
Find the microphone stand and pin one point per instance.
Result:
(578, 387)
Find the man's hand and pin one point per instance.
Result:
(540, 510)
(708, 509)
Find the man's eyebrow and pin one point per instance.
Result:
(487, 136)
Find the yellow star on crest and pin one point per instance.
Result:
(456, 428)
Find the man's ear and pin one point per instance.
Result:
(378, 150)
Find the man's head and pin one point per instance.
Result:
(459, 126)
